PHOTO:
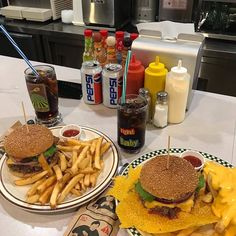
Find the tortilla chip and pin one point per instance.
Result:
(124, 183)
(132, 213)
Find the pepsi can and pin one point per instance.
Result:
(111, 84)
(91, 79)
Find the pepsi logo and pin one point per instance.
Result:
(97, 78)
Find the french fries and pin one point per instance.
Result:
(47, 183)
(58, 172)
(33, 199)
(31, 179)
(74, 168)
(98, 154)
(69, 187)
(46, 195)
(76, 192)
(44, 164)
(78, 167)
(33, 188)
(62, 161)
(57, 188)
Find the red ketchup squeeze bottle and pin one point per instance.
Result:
(135, 77)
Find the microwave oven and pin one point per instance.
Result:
(36, 10)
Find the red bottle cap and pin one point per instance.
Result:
(88, 33)
(133, 36)
(120, 34)
(134, 64)
(104, 33)
(97, 37)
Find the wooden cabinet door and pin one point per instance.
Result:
(64, 51)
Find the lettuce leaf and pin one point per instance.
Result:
(142, 193)
(50, 151)
(201, 183)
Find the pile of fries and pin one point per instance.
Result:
(79, 165)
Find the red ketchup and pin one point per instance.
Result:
(70, 133)
(193, 160)
(135, 77)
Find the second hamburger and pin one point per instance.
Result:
(166, 192)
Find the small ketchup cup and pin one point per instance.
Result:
(195, 158)
(70, 131)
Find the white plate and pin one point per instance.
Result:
(177, 151)
(17, 194)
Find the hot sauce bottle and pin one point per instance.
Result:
(111, 49)
(99, 51)
(88, 45)
(104, 34)
(119, 46)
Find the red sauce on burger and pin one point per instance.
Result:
(193, 160)
(70, 133)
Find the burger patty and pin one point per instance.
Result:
(25, 169)
(165, 211)
(31, 167)
(174, 201)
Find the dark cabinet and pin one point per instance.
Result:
(31, 45)
(64, 51)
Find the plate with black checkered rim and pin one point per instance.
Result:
(133, 231)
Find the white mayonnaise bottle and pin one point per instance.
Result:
(177, 87)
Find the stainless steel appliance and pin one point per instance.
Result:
(36, 10)
(176, 10)
(144, 11)
(112, 13)
(187, 47)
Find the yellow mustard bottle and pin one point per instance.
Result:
(154, 80)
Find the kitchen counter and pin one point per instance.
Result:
(49, 27)
(210, 126)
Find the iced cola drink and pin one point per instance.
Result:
(43, 92)
(132, 123)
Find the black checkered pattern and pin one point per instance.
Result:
(149, 155)
(134, 232)
(216, 159)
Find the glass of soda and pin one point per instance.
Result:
(132, 123)
(43, 92)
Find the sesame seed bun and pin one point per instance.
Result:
(175, 184)
(21, 144)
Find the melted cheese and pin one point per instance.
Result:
(184, 206)
(223, 181)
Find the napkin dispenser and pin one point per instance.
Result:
(187, 47)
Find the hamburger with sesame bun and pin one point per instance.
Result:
(166, 192)
(23, 147)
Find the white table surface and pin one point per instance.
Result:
(209, 127)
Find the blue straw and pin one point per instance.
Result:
(125, 77)
(18, 49)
